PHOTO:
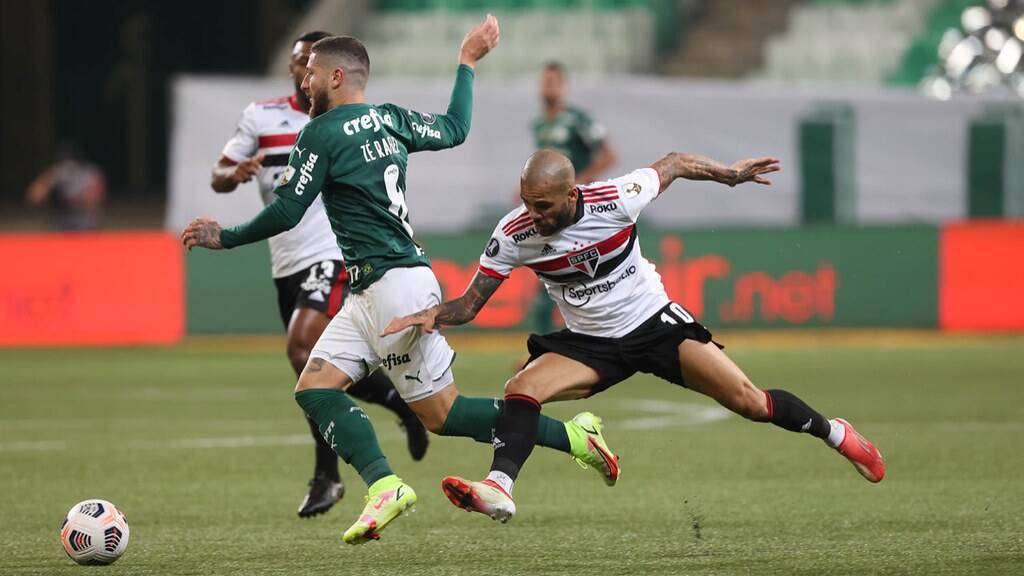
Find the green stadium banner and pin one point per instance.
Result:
(995, 171)
(230, 291)
(827, 276)
(812, 277)
(827, 165)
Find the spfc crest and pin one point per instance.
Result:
(586, 261)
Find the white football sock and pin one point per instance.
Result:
(501, 479)
(836, 434)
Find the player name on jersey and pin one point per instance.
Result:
(363, 183)
(376, 149)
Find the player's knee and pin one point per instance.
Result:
(303, 384)
(431, 415)
(433, 422)
(520, 384)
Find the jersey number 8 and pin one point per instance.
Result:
(397, 197)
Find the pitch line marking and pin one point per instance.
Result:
(666, 414)
(32, 445)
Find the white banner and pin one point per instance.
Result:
(910, 151)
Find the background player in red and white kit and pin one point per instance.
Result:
(308, 270)
(582, 243)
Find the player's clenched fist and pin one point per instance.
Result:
(479, 41)
(246, 169)
(202, 232)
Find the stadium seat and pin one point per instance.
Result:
(590, 36)
(861, 41)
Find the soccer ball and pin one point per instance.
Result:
(94, 532)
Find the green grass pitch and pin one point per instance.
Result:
(204, 449)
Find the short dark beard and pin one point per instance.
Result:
(301, 98)
(562, 221)
(319, 104)
(566, 216)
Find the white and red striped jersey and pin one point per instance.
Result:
(270, 127)
(593, 268)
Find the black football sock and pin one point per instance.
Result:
(477, 418)
(515, 434)
(326, 459)
(787, 411)
(377, 388)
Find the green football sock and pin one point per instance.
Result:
(476, 417)
(347, 430)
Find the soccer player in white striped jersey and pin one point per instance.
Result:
(582, 243)
(307, 266)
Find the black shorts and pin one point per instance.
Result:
(652, 348)
(323, 287)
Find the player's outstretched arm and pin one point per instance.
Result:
(452, 128)
(694, 167)
(453, 312)
(279, 216)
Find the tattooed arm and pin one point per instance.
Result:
(453, 312)
(202, 232)
(693, 167)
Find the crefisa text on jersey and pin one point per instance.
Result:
(305, 173)
(425, 131)
(393, 360)
(372, 121)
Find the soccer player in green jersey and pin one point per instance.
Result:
(309, 274)
(355, 155)
(573, 132)
(569, 129)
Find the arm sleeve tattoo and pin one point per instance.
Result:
(464, 308)
(693, 167)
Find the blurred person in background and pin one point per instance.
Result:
(574, 133)
(76, 188)
(307, 266)
(569, 129)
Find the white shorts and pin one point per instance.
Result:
(418, 363)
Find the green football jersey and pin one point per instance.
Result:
(572, 133)
(356, 156)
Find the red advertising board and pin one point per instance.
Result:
(91, 289)
(981, 275)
